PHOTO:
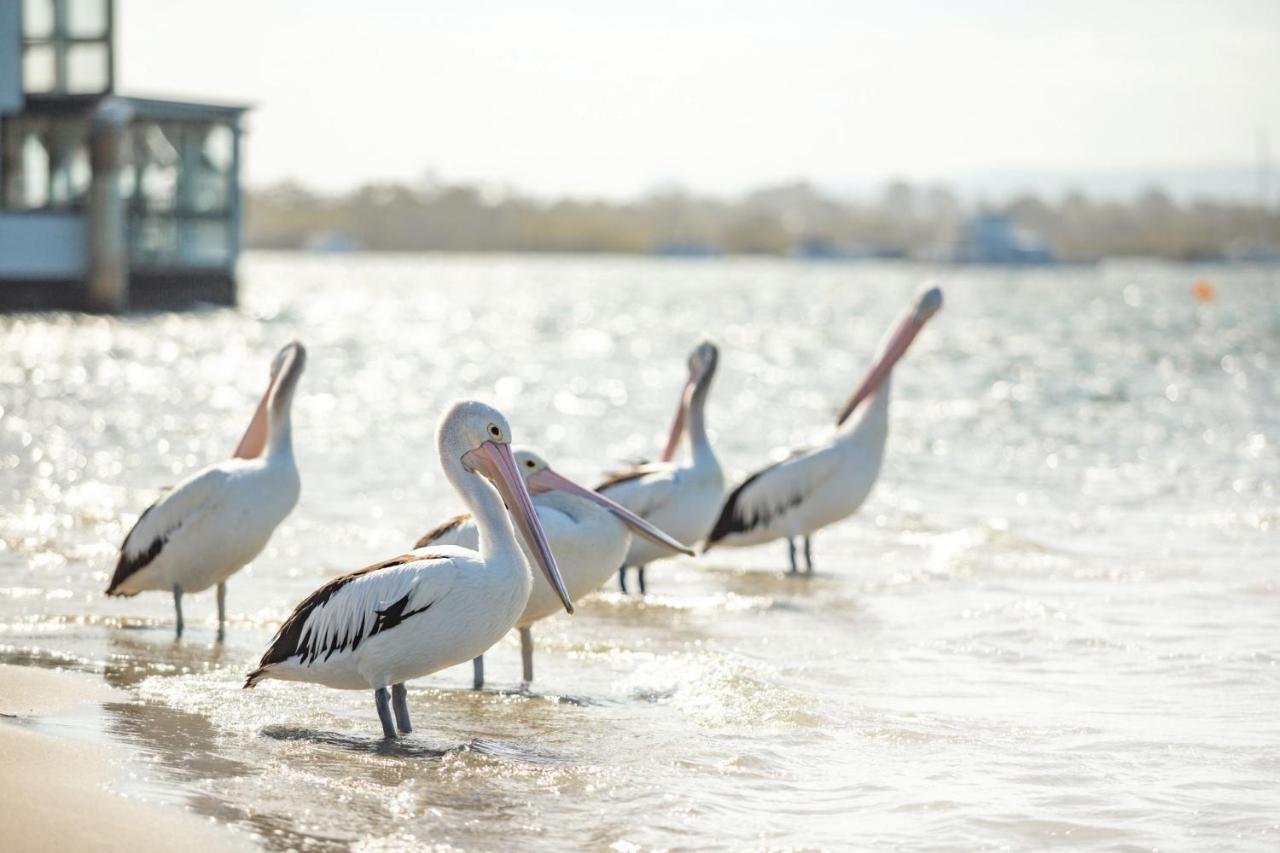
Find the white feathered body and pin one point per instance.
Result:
(811, 489)
(451, 607)
(680, 500)
(588, 541)
(209, 526)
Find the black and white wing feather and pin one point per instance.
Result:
(760, 506)
(350, 609)
(162, 520)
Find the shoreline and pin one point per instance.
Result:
(57, 791)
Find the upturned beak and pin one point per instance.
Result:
(494, 460)
(254, 440)
(548, 480)
(677, 424)
(898, 345)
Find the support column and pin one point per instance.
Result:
(108, 274)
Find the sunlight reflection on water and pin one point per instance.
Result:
(1053, 623)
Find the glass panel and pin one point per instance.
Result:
(33, 190)
(86, 19)
(210, 171)
(71, 177)
(39, 68)
(218, 151)
(87, 68)
(154, 240)
(37, 19)
(206, 242)
(158, 161)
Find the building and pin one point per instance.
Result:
(992, 238)
(107, 201)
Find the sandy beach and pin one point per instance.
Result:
(57, 793)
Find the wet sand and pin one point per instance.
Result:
(57, 792)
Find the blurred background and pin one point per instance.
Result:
(986, 131)
(813, 128)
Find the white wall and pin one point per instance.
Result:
(42, 245)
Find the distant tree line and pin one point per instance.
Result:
(902, 220)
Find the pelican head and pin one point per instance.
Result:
(927, 304)
(702, 367)
(541, 478)
(702, 362)
(476, 437)
(286, 367)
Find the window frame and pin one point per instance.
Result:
(63, 42)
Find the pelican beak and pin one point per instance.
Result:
(906, 332)
(677, 424)
(495, 461)
(548, 480)
(255, 437)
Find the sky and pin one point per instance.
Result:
(612, 99)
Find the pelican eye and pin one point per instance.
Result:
(529, 463)
(494, 431)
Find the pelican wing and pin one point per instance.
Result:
(351, 608)
(642, 488)
(765, 498)
(159, 522)
(445, 534)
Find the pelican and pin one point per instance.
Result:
(588, 533)
(418, 613)
(821, 485)
(680, 499)
(217, 520)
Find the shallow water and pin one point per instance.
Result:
(1053, 624)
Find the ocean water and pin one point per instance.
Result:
(1055, 623)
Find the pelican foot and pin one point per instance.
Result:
(382, 698)
(177, 608)
(400, 704)
(222, 612)
(526, 655)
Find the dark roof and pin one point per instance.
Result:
(159, 109)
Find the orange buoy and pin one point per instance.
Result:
(1203, 290)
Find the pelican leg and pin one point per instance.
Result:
(791, 553)
(477, 669)
(808, 557)
(177, 606)
(400, 704)
(526, 654)
(622, 579)
(641, 574)
(382, 698)
(222, 611)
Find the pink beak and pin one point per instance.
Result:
(677, 425)
(547, 480)
(254, 440)
(907, 331)
(494, 460)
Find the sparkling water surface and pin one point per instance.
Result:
(1055, 623)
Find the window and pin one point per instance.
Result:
(179, 183)
(46, 162)
(67, 47)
